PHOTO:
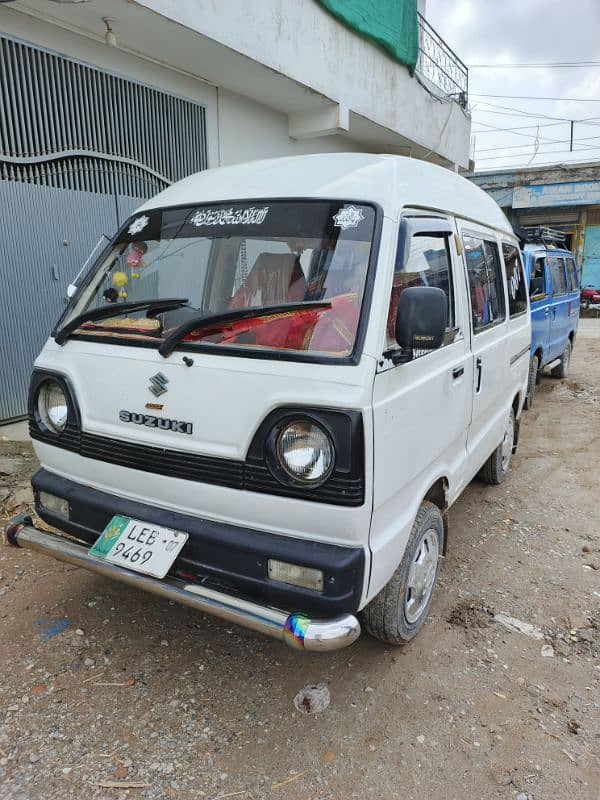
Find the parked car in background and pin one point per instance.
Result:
(554, 291)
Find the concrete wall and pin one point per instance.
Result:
(303, 43)
(249, 131)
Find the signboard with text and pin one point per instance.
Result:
(578, 193)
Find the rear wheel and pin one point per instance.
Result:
(495, 469)
(532, 382)
(398, 612)
(562, 370)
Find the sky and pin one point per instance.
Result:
(526, 32)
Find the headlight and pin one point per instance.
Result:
(305, 452)
(52, 407)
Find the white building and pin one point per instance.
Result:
(104, 102)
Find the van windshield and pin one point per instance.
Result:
(301, 265)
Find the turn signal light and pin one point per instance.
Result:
(54, 504)
(306, 577)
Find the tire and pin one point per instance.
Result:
(532, 381)
(562, 370)
(495, 469)
(398, 612)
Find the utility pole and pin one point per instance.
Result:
(572, 126)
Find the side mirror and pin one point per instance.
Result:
(537, 286)
(71, 289)
(421, 319)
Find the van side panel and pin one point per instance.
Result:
(491, 348)
(421, 412)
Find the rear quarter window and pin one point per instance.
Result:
(485, 282)
(557, 274)
(515, 280)
(572, 275)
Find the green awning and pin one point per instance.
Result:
(390, 23)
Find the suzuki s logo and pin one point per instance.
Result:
(158, 384)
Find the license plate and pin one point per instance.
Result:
(140, 546)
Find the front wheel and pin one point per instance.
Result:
(398, 612)
(562, 370)
(495, 469)
(532, 382)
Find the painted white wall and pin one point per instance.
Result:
(302, 42)
(331, 79)
(249, 131)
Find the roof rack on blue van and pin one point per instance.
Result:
(550, 237)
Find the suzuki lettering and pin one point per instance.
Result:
(164, 424)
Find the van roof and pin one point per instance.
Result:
(542, 250)
(391, 181)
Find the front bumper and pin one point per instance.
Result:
(297, 630)
(229, 558)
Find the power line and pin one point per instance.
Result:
(561, 164)
(542, 152)
(494, 129)
(536, 97)
(518, 112)
(532, 65)
(525, 146)
(526, 135)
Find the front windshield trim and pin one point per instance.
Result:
(232, 350)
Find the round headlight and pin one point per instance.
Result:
(305, 452)
(52, 407)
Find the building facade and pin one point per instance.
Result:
(565, 197)
(103, 103)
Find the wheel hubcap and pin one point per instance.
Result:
(422, 576)
(507, 443)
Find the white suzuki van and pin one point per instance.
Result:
(266, 393)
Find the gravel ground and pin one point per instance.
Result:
(102, 686)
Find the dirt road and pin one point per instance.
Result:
(99, 684)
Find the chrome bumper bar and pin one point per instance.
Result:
(297, 630)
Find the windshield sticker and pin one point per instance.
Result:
(138, 225)
(348, 217)
(229, 216)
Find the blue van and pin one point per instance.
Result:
(554, 294)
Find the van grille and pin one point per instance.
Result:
(253, 476)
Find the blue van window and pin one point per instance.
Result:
(557, 274)
(515, 280)
(485, 282)
(572, 276)
(537, 287)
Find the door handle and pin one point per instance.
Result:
(479, 367)
(457, 372)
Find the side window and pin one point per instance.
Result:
(428, 264)
(515, 279)
(485, 282)
(537, 286)
(572, 276)
(557, 274)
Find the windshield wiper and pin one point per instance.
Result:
(171, 341)
(105, 312)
